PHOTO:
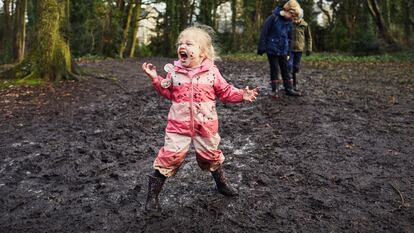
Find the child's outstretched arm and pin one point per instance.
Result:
(250, 94)
(228, 93)
(151, 71)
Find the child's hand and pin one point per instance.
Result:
(250, 95)
(150, 70)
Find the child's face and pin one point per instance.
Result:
(288, 15)
(189, 52)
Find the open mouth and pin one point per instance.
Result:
(183, 55)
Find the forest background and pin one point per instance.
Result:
(116, 28)
(74, 156)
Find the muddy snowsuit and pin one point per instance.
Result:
(193, 116)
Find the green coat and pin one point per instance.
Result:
(301, 34)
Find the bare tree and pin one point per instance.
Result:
(126, 28)
(20, 30)
(375, 12)
(135, 27)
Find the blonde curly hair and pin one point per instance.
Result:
(293, 7)
(204, 37)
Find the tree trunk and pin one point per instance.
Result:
(233, 24)
(192, 9)
(249, 30)
(20, 30)
(31, 22)
(379, 21)
(121, 5)
(326, 12)
(127, 25)
(236, 8)
(50, 58)
(214, 20)
(351, 19)
(206, 10)
(5, 42)
(408, 22)
(387, 7)
(184, 11)
(7, 17)
(172, 25)
(135, 28)
(107, 36)
(258, 17)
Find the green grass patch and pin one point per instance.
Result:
(329, 57)
(30, 81)
(90, 57)
(21, 82)
(244, 57)
(336, 57)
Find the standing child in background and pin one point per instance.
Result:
(300, 34)
(192, 84)
(275, 39)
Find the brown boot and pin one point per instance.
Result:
(222, 185)
(155, 184)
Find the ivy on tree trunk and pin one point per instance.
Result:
(126, 29)
(135, 27)
(50, 57)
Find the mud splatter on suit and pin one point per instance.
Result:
(193, 116)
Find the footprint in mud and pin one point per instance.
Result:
(76, 188)
(131, 197)
(87, 209)
(30, 169)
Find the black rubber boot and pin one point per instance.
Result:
(292, 92)
(222, 185)
(289, 90)
(275, 94)
(295, 82)
(155, 183)
(275, 84)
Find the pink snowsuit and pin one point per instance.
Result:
(193, 116)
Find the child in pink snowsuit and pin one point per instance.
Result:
(192, 84)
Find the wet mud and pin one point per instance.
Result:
(74, 157)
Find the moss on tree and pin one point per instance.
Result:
(50, 57)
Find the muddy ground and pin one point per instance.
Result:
(74, 157)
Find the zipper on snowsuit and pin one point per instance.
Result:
(191, 107)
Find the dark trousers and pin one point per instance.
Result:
(294, 62)
(276, 62)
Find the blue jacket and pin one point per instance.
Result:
(276, 35)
